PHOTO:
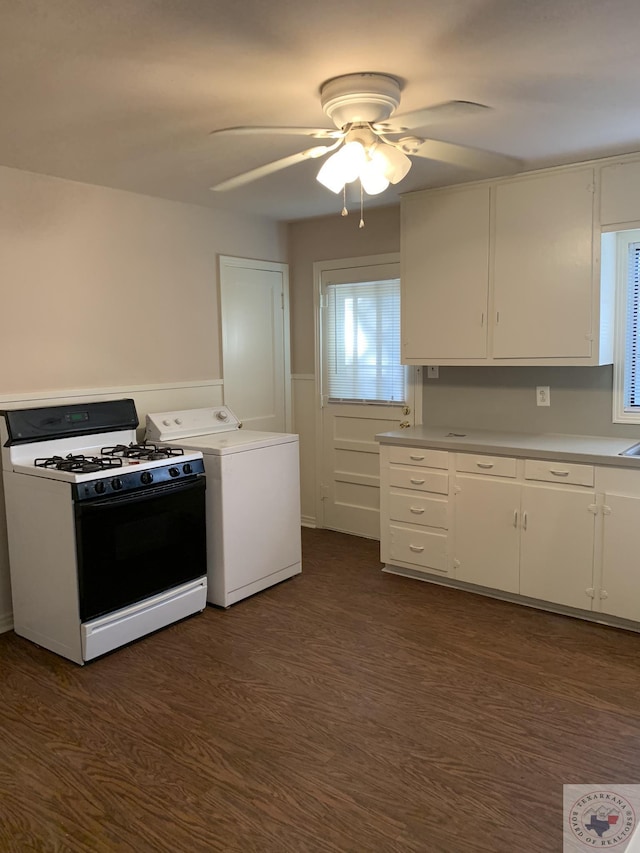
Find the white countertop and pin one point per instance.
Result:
(597, 450)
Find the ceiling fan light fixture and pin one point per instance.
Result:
(342, 167)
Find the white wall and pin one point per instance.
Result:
(102, 289)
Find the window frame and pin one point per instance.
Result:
(334, 299)
(621, 412)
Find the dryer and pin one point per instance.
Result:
(252, 498)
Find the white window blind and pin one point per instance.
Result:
(363, 342)
(632, 335)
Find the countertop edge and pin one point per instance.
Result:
(526, 450)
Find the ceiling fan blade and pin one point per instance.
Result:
(429, 115)
(315, 132)
(461, 155)
(270, 168)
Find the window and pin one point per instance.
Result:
(362, 342)
(627, 359)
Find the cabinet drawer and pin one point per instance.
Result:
(559, 472)
(419, 456)
(423, 548)
(420, 479)
(496, 466)
(416, 509)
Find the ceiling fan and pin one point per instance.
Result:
(369, 142)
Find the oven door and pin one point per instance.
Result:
(133, 546)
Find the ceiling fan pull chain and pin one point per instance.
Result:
(361, 225)
(344, 212)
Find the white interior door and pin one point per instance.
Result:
(254, 311)
(348, 455)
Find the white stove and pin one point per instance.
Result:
(106, 535)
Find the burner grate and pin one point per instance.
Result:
(144, 452)
(78, 463)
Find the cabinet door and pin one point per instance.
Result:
(620, 595)
(556, 551)
(445, 275)
(542, 271)
(486, 532)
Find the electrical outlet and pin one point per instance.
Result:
(432, 371)
(543, 395)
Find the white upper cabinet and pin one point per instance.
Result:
(445, 275)
(542, 267)
(505, 272)
(620, 194)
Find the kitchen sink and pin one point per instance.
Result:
(634, 450)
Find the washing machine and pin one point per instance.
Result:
(252, 498)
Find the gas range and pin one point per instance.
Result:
(107, 538)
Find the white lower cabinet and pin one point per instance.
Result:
(414, 509)
(529, 540)
(557, 540)
(619, 590)
(562, 533)
(487, 537)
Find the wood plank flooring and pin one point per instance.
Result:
(344, 710)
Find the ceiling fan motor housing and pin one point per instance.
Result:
(355, 98)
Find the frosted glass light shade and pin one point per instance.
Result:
(372, 178)
(392, 162)
(342, 167)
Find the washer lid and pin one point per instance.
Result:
(172, 426)
(235, 441)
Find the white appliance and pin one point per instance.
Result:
(107, 538)
(253, 499)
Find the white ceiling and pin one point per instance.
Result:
(124, 93)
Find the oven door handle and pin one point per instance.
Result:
(198, 482)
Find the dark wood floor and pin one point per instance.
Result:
(344, 710)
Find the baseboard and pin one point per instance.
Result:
(308, 521)
(6, 622)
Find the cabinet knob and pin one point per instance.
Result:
(406, 410)
(404, 424)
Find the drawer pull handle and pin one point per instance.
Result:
(484, 464)
(417, 510)
(417, 548)
(558, 473)
(417, 482)
(416, 458)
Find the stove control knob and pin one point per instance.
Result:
(178, 421)
(222, 415)
(99, 487)
(146, 477)
(166, 422)
(187, 468)
(174, 472)
(116, 484)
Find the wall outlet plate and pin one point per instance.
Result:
(543, 395)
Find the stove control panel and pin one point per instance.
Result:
(132, 480)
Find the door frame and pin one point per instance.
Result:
(414, 378)
(271, 266)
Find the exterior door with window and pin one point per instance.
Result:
(364, 389)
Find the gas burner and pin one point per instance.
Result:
(78, 464)
(145, 451)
